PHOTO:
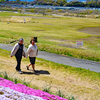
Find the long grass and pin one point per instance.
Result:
(47, 89)
(60, 93)
(16, 80)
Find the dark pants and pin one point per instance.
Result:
(18, 58)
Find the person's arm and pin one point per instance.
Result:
(28, 51)
(14, 50)
(37, 51)
(23, 54)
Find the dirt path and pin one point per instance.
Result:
(35, 17)
(81, 63)
(91, 30)
(58, 80)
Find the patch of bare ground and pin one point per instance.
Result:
(34, 17)
(57, 40)
(71, 45)
(17, 20)
(91, 30)
(90, 38)
(47, 23)
(67, 43)
(57, 79)
(39, 30)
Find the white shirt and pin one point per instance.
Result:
(32, 51)
(15, 49)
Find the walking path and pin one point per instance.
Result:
(75, 62)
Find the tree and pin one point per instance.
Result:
(2, 0)
(61, 2)
(76, 4)
(64, 2)
(17, 0)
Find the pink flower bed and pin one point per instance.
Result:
(9, 94)
(29, 91)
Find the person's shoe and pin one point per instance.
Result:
(27, 67)
(20, 72)
(16, 70)
(34, 71)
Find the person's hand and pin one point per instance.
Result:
(10, 56)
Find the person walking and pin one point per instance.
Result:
(18, 52)
(32, 51)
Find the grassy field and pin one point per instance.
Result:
(52, 77)
(55, 35)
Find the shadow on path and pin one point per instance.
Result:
(38, 72)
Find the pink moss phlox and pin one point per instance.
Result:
(26, 90)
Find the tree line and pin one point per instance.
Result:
(65, 3)
(57, 3)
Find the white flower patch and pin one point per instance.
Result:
(10, 94)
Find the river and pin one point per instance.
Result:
(49, 7)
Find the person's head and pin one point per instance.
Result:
(32, 41)
(21, 40)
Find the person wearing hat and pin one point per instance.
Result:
(18, 52)
(32, 51)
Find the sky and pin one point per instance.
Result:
(77, 0)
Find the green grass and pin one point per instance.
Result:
(78, 73)
(47, 89)
(16, 80)
(53, 34)
(60, 93)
